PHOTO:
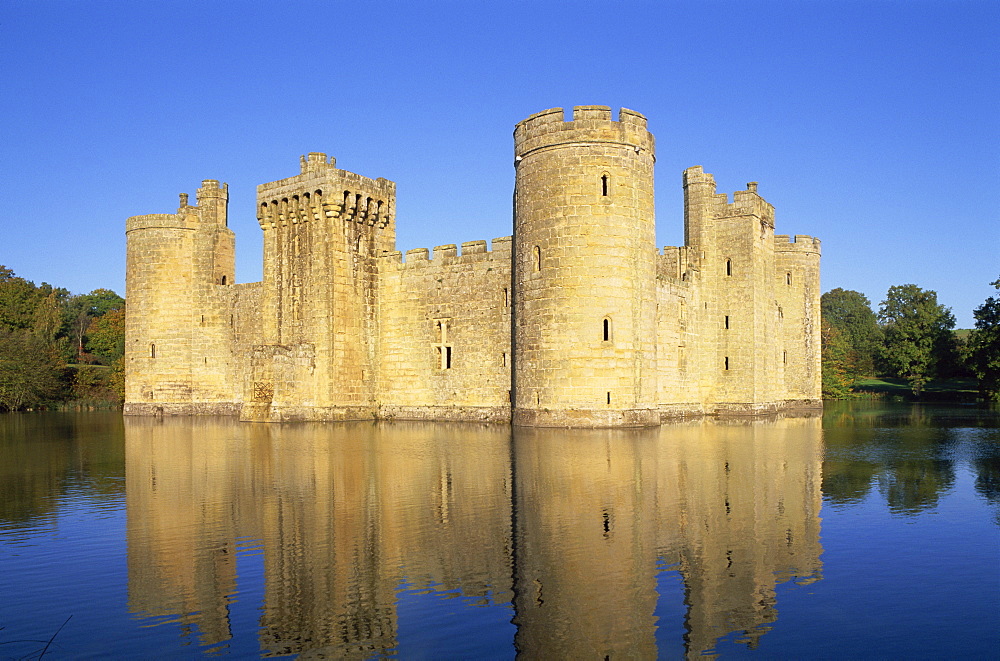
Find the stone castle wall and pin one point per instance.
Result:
(575, 320)
(445, 333)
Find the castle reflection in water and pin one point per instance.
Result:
(571, 527)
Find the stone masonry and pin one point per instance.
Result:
(577, 320)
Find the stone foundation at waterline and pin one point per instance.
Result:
(577, 320)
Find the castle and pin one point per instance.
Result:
(577, 320)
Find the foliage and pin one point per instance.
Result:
(984, 346)
(41, 327)
(80, 311)
(836, 378)
(850, 313)
(29, 374)
(96, 383)
(917, 332)
(106, 335)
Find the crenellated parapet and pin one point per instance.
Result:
(801, 243)
(588, 125)
(179, 221)
(472, 252)
(702, 193)
(676, 264)
(748, 203)
(322, 191)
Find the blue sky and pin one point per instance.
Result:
(872, 125)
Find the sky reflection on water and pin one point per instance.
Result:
(870, 532)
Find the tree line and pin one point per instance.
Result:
(911, 337)
(58, 349)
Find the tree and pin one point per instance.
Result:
(28, 375)
(106, 336)
(850, 312)
(984, 346)
(81, 310)
(917, 333)
(837, 380)
(18, 300)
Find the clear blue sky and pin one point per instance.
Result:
(872, 125)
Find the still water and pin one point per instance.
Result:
(872, 532)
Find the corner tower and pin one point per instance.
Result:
(584, 270)
(178, 326)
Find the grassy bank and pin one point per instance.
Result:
(937, 390)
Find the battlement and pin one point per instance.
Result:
(158, 221)
(211, 190)
(470, 253)
(315, 162)
(588, 124)
(321, 190)
(696, 175)
(747, 202)
(317, 169)
(800, 243)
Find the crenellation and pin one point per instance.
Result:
(574, 320)
(445, 252)
(473, 248)
(417, 254)
(801, 243)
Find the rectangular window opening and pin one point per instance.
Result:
(727, 362)
(727, 322)
(447, 358)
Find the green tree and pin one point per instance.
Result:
(81, 310)
(106, 335)
(917, 332)
(837, 379)
(18, 300)
(850, 313)
(984, 346)
(28, 374)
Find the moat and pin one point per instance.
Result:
(870, 532)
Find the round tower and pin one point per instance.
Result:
(584, 270)
(158, 289)
(177, 266)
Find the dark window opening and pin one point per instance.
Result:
(727, 362)
(609, 397)
(727, 322)
(223, 279)
(447, 358)
(607, 330)
(729, 267)
(152, 351)
(788, 278)
(604, 185)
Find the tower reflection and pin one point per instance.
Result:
(572, 528)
